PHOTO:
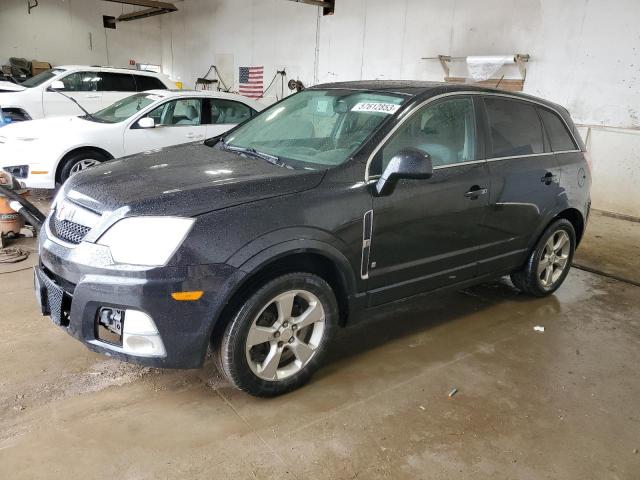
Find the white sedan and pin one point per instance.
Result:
(43, 153)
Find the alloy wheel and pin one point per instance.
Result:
(83, 165)
(285, 335)
(554, 259)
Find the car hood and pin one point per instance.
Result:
(185, 180)
(50, 128)
(10, 87)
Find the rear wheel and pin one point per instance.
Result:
(279, 336)
(79, 162)
(549, 262)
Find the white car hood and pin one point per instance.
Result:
(10, 87)
(50, 127)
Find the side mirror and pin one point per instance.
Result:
(146, 122)
(407, 163)
(56, 85)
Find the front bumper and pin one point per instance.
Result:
(40, 172)
(184, 326)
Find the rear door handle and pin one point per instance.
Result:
(475, 192)
(95, 95)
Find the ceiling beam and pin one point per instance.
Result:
(153, 8)
(148, 3)
(328, 6)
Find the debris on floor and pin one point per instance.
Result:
(13, 255)
(539, 328)
(453, 391)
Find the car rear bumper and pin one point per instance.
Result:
(73, 294)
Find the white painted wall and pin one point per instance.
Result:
(57, 31)
(585, 55)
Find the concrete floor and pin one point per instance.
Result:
(611, 245)
(559, 404)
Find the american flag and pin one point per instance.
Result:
(251, 81)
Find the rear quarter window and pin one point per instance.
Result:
(557, 132)
(144, 82)
(515, 128)
(117, 82)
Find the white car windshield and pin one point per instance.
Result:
(315, 128)
(42, 77)
(125, 108)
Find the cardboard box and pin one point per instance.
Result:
(39, 67)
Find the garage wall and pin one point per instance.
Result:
(585, 56)
(57, 31)
(230, 34)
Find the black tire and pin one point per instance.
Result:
(527, 279)
(230, 351)
(74, 159)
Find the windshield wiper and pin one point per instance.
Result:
(51, 89)
(255, 153)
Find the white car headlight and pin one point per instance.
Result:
(149, 241)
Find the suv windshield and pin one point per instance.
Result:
(315, 128)
(125, 108)
(42, 77)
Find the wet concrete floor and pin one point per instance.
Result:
(611, 245)
(530, 405)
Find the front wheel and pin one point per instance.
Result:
(79, 162)
(279, 336)
(549, 263)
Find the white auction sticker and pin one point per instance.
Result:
(375, 107)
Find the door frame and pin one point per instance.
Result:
(369, 237)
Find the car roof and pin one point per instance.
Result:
(416, 88)
(176, 93)
(110, 69)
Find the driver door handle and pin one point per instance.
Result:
(475, 192)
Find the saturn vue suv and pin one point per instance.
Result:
(261, 243)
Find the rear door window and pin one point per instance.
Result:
(515, 128)
(145, 82)
(227, 111)
(117, 82)
(557, 132)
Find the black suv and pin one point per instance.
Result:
(261, 243)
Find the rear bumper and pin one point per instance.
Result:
(184, 326)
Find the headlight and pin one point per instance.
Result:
(149, 241)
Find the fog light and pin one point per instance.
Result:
(18, 171)
(140, 335)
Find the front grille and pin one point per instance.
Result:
(68, 231)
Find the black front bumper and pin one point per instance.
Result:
(72, 291)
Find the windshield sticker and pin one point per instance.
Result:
(322, 106)
(389, 108)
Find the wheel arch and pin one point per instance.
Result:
(75, 151)
(571, 214)
(281, 259)
(574, 216)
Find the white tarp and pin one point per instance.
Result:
(485, 67)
